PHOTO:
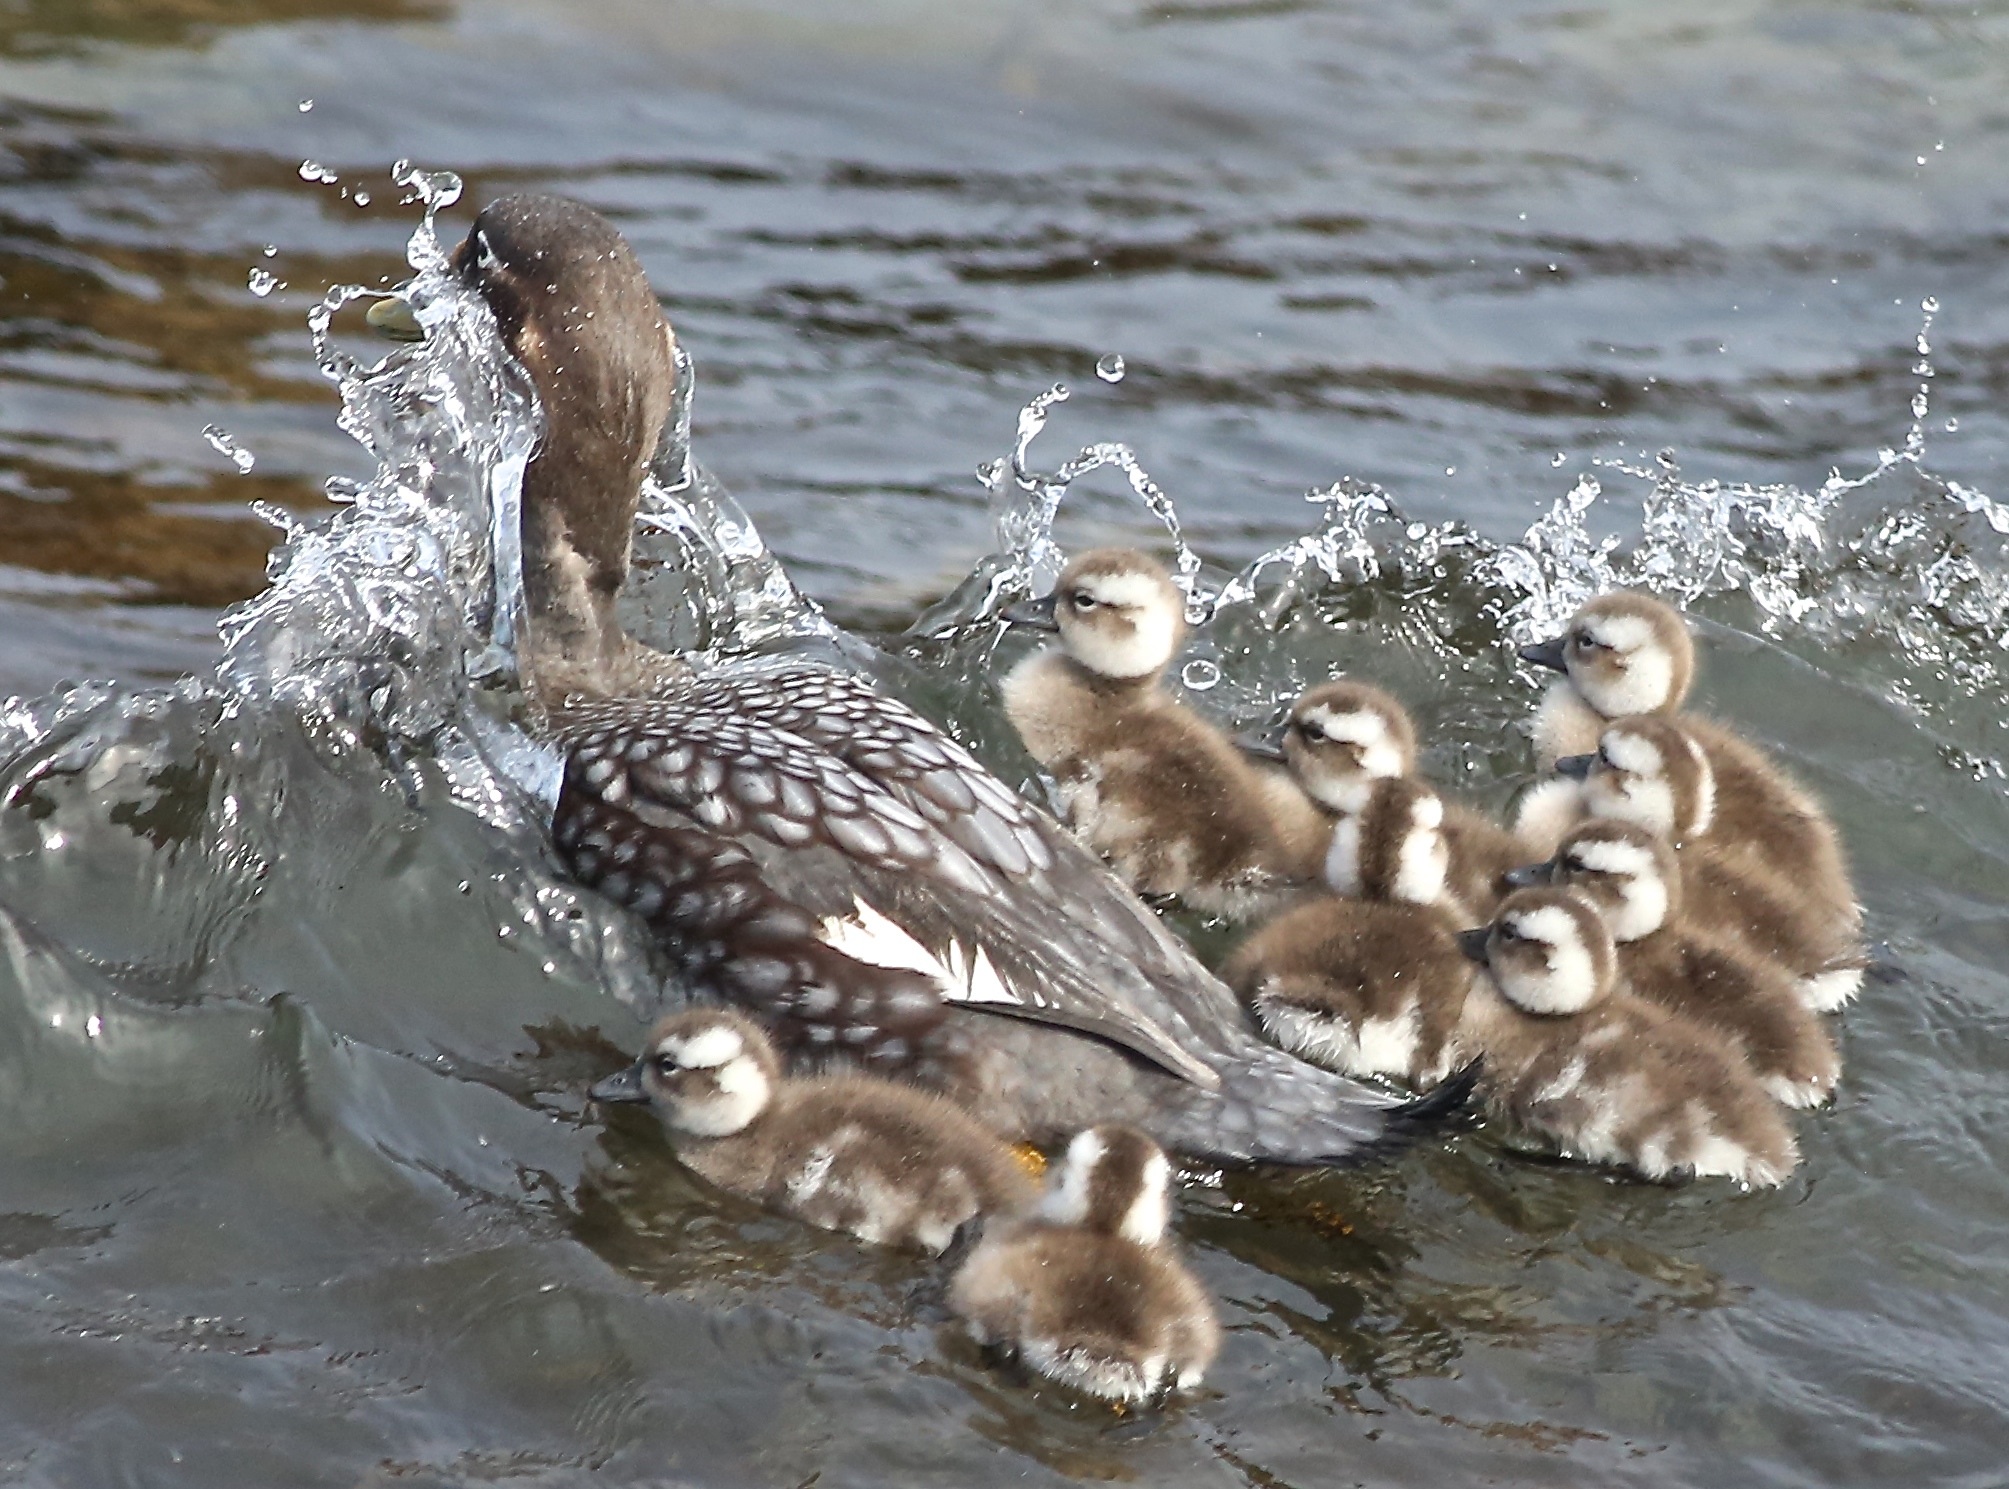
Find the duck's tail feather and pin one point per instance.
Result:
(1272, 1108)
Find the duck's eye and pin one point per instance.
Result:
(1311, 732)
(666, 1065)
(1081, 599)
(1506, 932)
(1574, 866)
(1586, 642)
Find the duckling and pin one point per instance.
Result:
(1085, 1288)
(1156, 790)
(1652, 772)
(1371, 985)
(1573, 1056)
(889, 1164)
(1627, 655)
(1344, 735)
(1631, 875)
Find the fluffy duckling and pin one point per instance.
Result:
(1574, 1057)
(1629, 655)
(1371, 985)
(1085, 1288)
(1344, 735)
(1155, 789)
(1631, 875)
(889, 1164)
(1800, 914)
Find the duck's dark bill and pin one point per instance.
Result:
(1532, 875)
(1576, 767)
(1035, 613)
(1473, 943)
(1546, 654)
(392, 317)
(1259, 747)
(621, 1086)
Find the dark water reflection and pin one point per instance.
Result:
(296, 1185)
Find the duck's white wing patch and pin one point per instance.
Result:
(872, 937)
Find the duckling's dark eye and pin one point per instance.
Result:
(1311, 732)
(1506, 932)
(1587, 642)
(1574, 865)
(666, 1065)
(1082, 600)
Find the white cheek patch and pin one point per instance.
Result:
(1346, 794)
(1127, 591)
(1145, 1221)
(1381, 758)
(743, 1095)
(1632, 753)
(1646, 803)
(1569, 985)
(1152, 638)
(706, 1050)
(1642, 907)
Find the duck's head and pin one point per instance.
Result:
(1113, 1180)
(1628, 871)
(574, 307)
(1393, 848)
(1624, 653)
(708, 1072)
(1343, 736)
(1118, 613)
(1651, 772)
(1548, 951)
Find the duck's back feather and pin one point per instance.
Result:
(745, 795)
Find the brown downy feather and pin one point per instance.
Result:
(1634, 878)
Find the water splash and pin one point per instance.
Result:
(1110, 368)
(225, 444)
(262, 282)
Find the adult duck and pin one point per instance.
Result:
(812, 851)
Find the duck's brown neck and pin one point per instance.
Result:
(577, 542)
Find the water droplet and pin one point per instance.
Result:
(1952, 426)
(1921, 160)
(362, 198)
(225, 444)
(262, 282)
(992, 473)
(306, 105)
(1450, 470)
(1930, 305)
(1200, 674)
(1556, 464)
(1416, 530)
(1110, 368)
(313, 170)
(93, 1027)
(1918, 405)
(270, 250)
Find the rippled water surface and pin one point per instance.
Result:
(297, 1184)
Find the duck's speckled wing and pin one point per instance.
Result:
(795, 798)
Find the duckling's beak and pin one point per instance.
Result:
(1576, 767)
(1038, 614)
(1531, 875)
(1261, 747)
(1546, 654)
(621, 1086)
(392, 317)
(1473, 943)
